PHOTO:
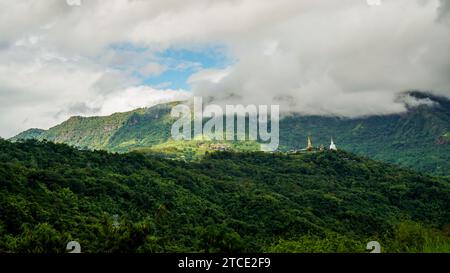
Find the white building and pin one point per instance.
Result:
(333, 146)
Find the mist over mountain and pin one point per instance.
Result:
(418, 138)
(334, 58)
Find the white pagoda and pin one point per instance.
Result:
(333, 146)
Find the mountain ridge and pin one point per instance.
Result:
(418, 138)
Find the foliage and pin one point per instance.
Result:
(226, 202)
(417, 139)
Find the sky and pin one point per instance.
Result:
(60, 58)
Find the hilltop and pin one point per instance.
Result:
(227, 202)
(417, 139)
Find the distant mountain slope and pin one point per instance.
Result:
(82, 132)
(118, 132)
(51, 194)
(419, 138)
(32, 133)
(143, 129)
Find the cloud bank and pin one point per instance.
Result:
(346, 58)
(326, 57)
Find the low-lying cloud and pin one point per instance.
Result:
(326, 57)
(349, 60)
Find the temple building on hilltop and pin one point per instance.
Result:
(310, 146)
(333, 146)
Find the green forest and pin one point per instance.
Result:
(327, 201)
(418, 139)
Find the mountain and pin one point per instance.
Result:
(417, 139)
(33, 133)
(327, 201)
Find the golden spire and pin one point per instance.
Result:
(310, 146)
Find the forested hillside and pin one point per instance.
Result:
(418, 139)
(227, 202)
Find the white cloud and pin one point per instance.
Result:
(349, 59)
(153, 69)
(411, 101)
(40, 88)
(138, 97)
(339, 57)
(209, 75)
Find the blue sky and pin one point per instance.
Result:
(180, 63)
